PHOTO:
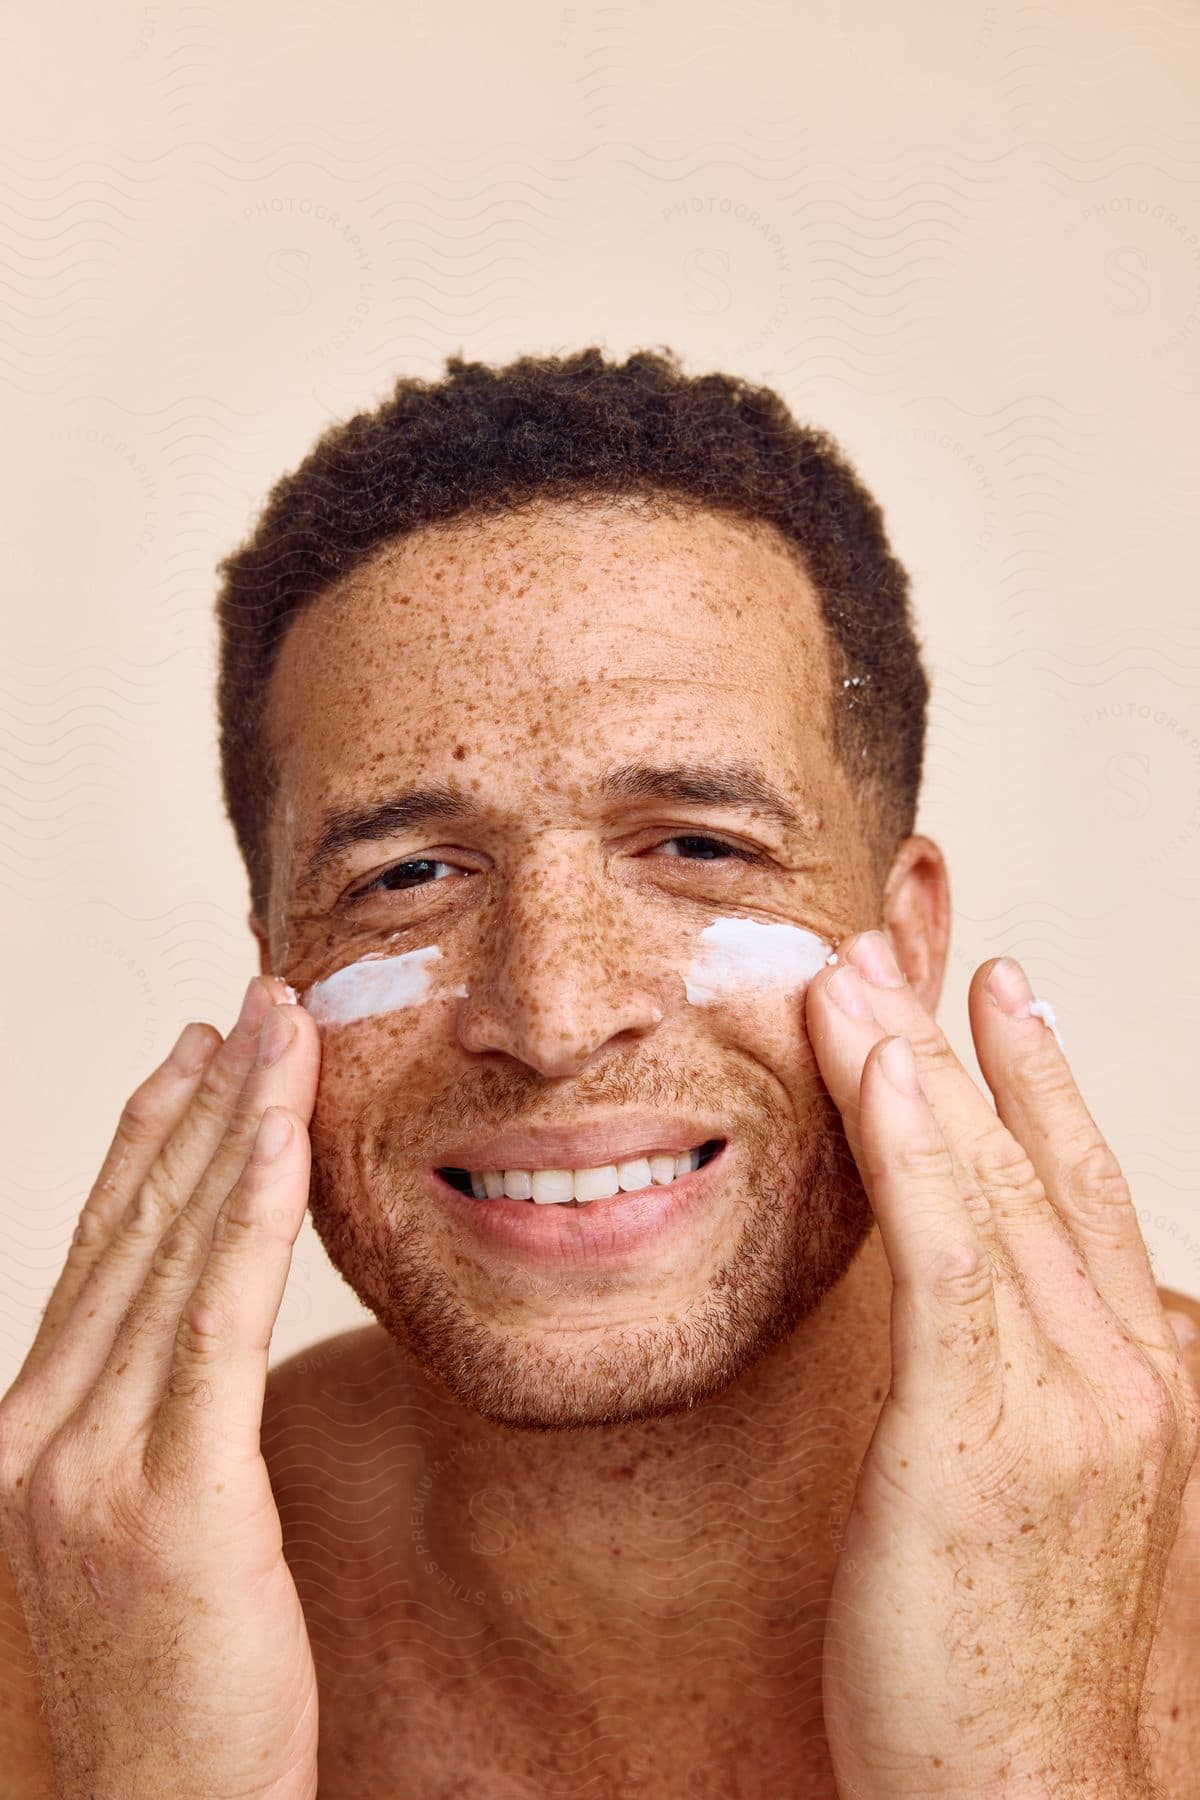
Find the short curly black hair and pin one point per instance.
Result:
(483, 440)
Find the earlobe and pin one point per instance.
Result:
(916, 916)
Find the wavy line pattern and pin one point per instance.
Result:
(965, 239)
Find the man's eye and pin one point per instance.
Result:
(403, 877)
(704, 849)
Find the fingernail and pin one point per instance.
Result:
(847, 992)
(254, 1008)
(1009, 986)
(273, 1136)
(898, 1063)
(193, 1047)
(873, 957)
(275, 1037)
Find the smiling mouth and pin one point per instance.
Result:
(579, 1187)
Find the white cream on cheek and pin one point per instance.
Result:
(377, 984)
(734, 954)
(747, 953)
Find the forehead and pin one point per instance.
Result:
(536, 639)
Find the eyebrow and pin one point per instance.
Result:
(687, 784)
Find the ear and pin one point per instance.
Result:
(265, 962)
(916, 916)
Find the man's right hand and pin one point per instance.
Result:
(135, 1507)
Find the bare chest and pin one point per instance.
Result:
(430, 1746)
(434, 1715)
(421, 1696)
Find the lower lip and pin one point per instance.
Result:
(607, 1231)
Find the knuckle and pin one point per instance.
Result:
(154, 1204)
(76, 1506)
(1097, 1186)
(1004, 1169)
(141, 1120)
(218, 1091)
(173, 1167)
(1154, 1412)
(236, 1224)
(63, 1492)
(965, 1288)
(175, 1254)
(198, 1340)
(932, 1048)
(91, 1233)
(922, 1161)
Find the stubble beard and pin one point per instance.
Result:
(804, 1216)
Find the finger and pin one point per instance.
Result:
(130, 1386)
(77, 1354)
(1030, 1239)
(212, 1411)
(1038, 1100)
(844, 1033)
(946, 1323)
(844, 1028)
(147, 1119)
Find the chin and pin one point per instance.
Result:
(799, 1233)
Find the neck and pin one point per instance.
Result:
(687, 1555)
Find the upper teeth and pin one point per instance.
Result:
(555, 1186)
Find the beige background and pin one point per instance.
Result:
(965, 239)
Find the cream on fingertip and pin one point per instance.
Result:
(1042, 1009)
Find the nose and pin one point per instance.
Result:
(561, 974)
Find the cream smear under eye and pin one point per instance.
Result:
(741, 953)
(377, 984)
(733, 954)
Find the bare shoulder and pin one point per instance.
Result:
(341, 1371)
(330, 1407)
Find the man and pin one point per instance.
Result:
(752, 1410)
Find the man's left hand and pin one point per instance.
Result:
(995, 1600)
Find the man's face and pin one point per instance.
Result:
(520, 662)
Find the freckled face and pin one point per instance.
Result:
(519, 662)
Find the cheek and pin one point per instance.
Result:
(750, 978)
(364, 1067)
(382, 1020)
(766, 1027)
